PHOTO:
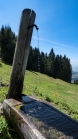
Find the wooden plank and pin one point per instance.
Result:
(21, 54)
(23, 126)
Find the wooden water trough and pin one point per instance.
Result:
(32, 118)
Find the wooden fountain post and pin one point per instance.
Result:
(21, 54)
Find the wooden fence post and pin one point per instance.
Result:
(21, 54)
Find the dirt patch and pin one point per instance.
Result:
(70, 92)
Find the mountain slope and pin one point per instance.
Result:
(61, 94)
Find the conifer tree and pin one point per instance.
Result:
(8, 42)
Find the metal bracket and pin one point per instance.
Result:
(33, 25)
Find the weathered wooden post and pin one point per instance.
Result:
(21, 54)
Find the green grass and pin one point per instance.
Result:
(62, 95)
(4, 129)
(58, 93)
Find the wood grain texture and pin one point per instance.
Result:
(34, 119)
(25, 129)
(21, 54)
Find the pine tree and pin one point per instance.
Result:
(51, 61)
(8, 41)
(42, 62)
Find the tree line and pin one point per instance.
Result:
(56, 66)
(7, 44)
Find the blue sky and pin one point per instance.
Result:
(57, 21)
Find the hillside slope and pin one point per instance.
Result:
(62, 95)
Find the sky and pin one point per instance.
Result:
(57, 21)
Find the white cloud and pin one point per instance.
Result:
(73, 63)
(42, 39)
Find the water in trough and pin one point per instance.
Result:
(49, 121)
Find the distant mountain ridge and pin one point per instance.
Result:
(74, 76)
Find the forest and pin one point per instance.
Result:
(56, 66)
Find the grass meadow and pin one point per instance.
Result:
(58, 93)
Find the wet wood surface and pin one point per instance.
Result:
(25, 128)
(34, 119)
